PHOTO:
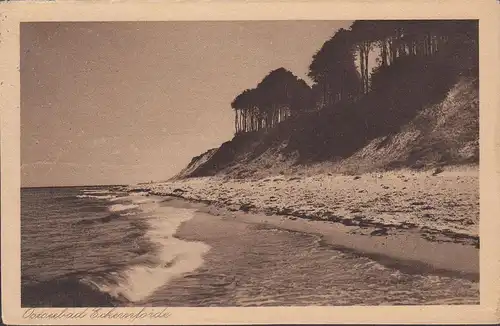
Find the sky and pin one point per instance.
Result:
(129, 102)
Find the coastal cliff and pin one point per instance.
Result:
(439, 134)
(417, 107)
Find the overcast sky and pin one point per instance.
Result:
(120, 103)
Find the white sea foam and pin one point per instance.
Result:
(111, 197)
(122, 207)
(128, 214)
(139, 200)
(118, 198)
(89, 191)
(142, 193)
(174, 258)
(134, 199)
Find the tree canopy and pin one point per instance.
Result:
(278, 96)
(340, 69)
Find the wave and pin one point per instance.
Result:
(170, 258)
(118, 198)
(134, 199)
(89, 191)
(128, 214)
(122, 207)
(140, 193)
(142, 200)
(160, 258)
(97, 197)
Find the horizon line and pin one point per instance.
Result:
(76, 186)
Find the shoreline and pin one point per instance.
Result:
(418, 220)
(417, 256)
(443, 207)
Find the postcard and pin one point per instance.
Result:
(206, 163)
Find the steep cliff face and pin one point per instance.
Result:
(446, 133)
(197, 163)
(432, 123)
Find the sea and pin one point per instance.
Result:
(105, 246)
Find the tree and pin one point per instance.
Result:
(273, 100)
(340, 68)
(334, 71)
(364, 37)
(280, 93)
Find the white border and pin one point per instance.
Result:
(13, 13)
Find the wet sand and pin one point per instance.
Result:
(269, 261)
(405, 250)
(442, 206)
(400, 237)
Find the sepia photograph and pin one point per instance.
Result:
(248, 163)
(323, 163)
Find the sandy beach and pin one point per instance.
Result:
(419, 222)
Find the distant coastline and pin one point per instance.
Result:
(77, 186)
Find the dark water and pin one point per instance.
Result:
(95, 246)
(102, 246)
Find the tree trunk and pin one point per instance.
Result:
(429, 43)
(245, 114)
(241, 120)
(390, 44)
(384, 53)
(367, 73)
(362, 68)
(236, 121)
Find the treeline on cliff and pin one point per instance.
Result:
(415, 60)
